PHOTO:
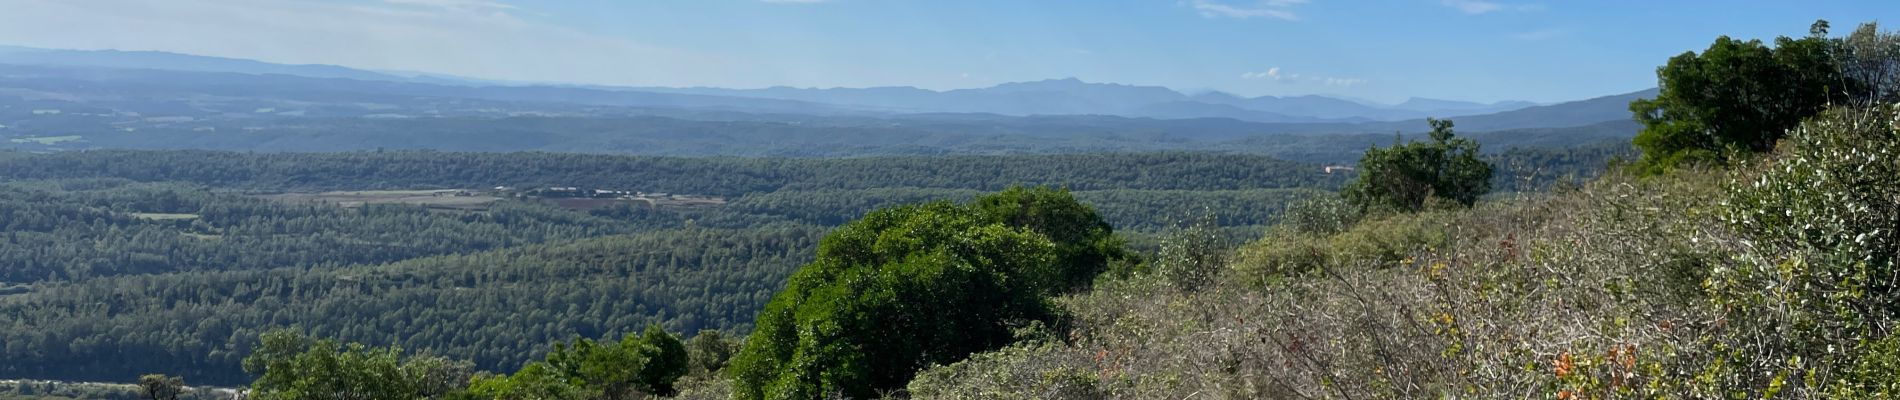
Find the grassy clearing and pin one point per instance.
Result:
(442, 199)
(164, 216)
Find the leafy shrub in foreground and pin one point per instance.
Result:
(910, 287)
(1817, 294)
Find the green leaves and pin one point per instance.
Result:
(1735, 96)
(293, 366)
(161, 387)
(1402, 177)
(914, 286)
(648, 363)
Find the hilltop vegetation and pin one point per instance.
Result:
(1768, 279)
(1735, 262)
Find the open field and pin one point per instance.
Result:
(164, 216)
(441, 198)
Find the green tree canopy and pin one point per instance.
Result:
(1735, 96)
(912, 286)
(649, 362)
(161, 387)
(292, 366)
(1404, 176)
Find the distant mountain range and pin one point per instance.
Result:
(1074, 97)
(70, 100)
(1048, 97)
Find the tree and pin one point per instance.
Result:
(1869, 60)
(666, 361)
(161, 387)
(294, 367)
(1404, 176)
(709, 351)
(536, 381)
(1735, 96)
(1085, 243)
(909, 287)
(649, 362)
(610, 369)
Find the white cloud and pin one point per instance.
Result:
(1270, 73)
(1476, 7)
(1473, 6)
(478, 38)
(459, 5)
(1278, 9)
(1277, 75)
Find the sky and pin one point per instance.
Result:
(1386, 50)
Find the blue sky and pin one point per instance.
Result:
(1483, 50)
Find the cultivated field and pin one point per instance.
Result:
(442, 198)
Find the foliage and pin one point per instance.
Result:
(1193, 257)
(1623, 288)
(1324, 215)
(55, 390)
(718, 176)
(290, 365)
(1869, 59)
(1815, 294)
(1735, 96)
(1002, 374)
(647, 363)
(1085, 243)
(161, 387)
(909, 287)
(498, 308)
(1403, 177)
(709, 351)
(1375, 243)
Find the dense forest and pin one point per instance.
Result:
(126, 260)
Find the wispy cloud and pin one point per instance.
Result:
(1277, 9)
(1277, 75)
(1476, 7)
(459, 5)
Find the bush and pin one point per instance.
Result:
(1372, 244)
(1321, 215)
(294, 366)
(1194, 256)
(648, 363)
(1816, 291)
(909, 287)
(1403, 177)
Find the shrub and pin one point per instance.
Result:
(1193, 257)
(908, 287)
(1320, 215)
(1403, 177)
(1816, 289)
(293, 366)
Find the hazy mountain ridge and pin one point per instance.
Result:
(1053, 96)
(72, 107)
(1074, 96)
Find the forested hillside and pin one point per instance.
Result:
(127, 262)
